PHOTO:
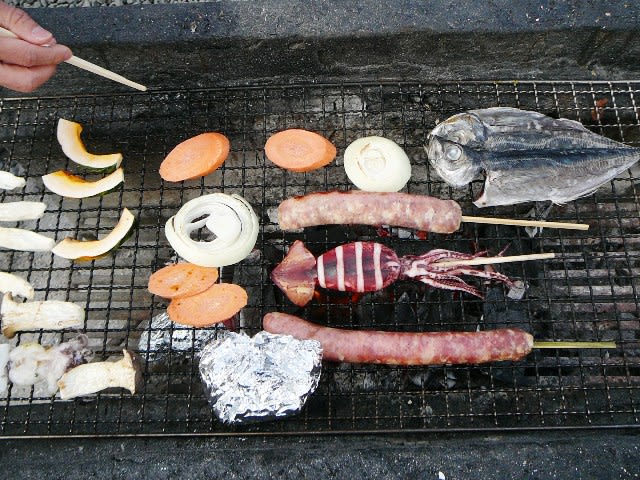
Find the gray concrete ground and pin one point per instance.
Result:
(551, 455)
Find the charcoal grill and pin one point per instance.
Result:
(589, 292)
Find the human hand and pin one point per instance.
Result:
(30, 60)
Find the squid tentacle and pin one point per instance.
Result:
(449, 282)
(425, 268)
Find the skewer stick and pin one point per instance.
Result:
(493, 260)
(525, 223)
(90, 67)
(537, 344)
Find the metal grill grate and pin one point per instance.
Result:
(589, 293)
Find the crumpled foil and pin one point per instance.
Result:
(260, 378)
(164, 336)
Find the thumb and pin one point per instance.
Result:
(23, 25)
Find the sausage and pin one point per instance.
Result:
(403, 348)
(370, 208)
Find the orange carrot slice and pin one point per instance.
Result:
(299, 150)
(216, 304)
(182, 280)
(195, 157)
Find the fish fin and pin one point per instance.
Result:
(510, 119)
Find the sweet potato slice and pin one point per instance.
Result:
(299, 150)
(195, 157)
(182, 280)
(216, 304)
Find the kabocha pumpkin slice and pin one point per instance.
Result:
(182, 280)
(68, 134)
(216, 304)
(195, 157)
(68, 185)
(80, 250)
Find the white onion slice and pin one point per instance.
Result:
(8, 181)
(229, 217)
(18, 211)
(25, 240)
(377, 164)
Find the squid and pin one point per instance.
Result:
(369, 266)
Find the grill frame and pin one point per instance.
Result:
(138, 124)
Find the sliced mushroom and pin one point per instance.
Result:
(8, 181)
(15, 285)
(18, 211)
(94, 377)
(46, 315)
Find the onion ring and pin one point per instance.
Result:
(229, 217)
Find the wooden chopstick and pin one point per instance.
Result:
(90, 67)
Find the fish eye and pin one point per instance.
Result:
(453, 153)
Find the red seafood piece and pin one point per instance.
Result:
(368, 267)
(358, 267)
(296, 274)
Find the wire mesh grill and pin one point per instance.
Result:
(588, 293)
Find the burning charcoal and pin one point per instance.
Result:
(259, 378)
(404, 314)
(498, 314)
(517, 290)
(421, 379)
(250, 273)
(164, 336)
(365, 378)
(540, 211)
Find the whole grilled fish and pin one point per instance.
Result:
(526, 156)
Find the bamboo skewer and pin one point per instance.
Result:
(562, 344)
(525, 223)
(494, 260)
(90, 67)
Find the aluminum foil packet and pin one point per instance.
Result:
(162, 336)
(259, 378)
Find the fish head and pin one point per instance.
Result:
(456, 165)
(464, 128)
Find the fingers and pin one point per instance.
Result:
(18, 52)
(23, 25)
(30, 60)
(22, 79)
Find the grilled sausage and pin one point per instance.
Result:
(402, 348)
(370, 208)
